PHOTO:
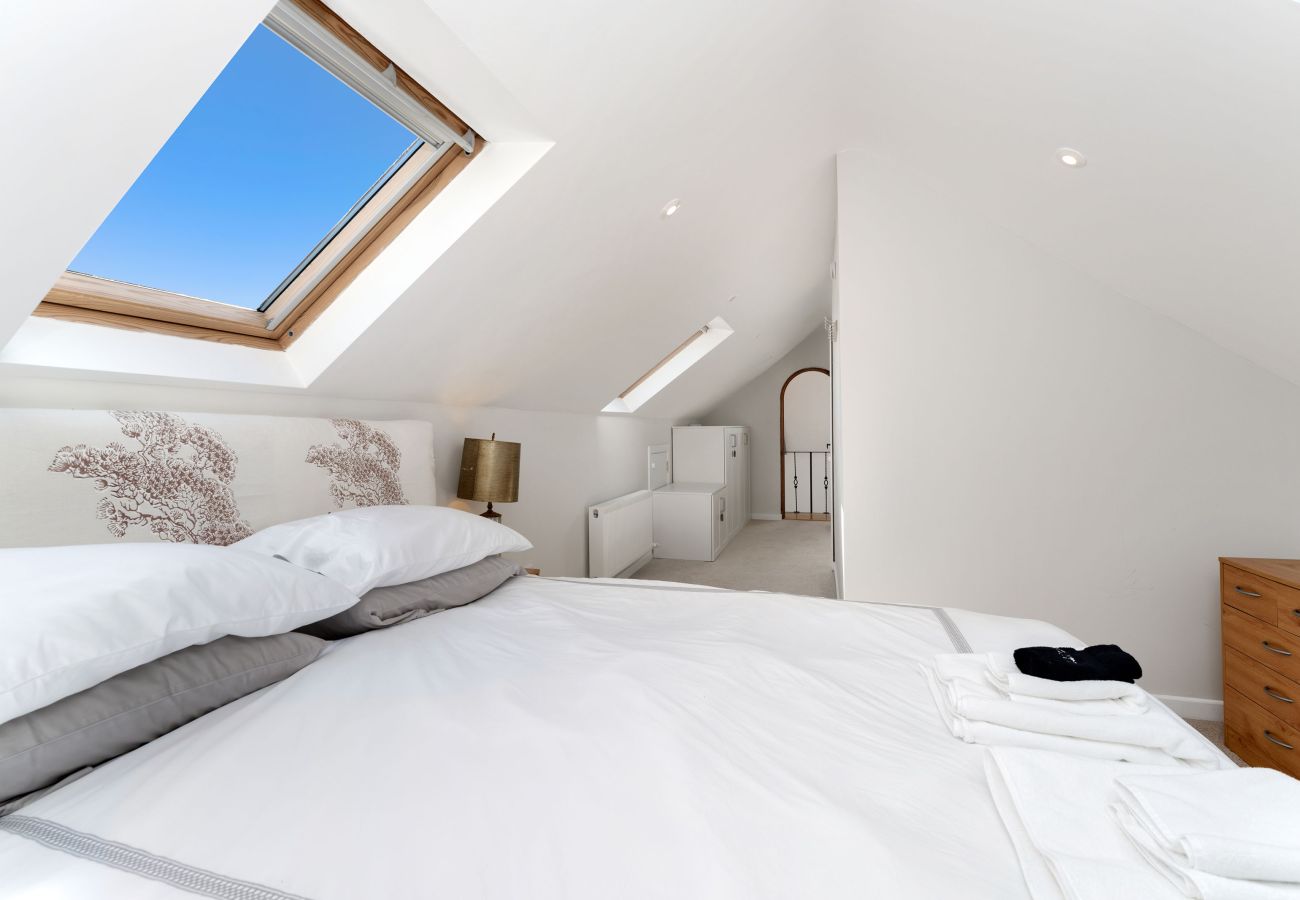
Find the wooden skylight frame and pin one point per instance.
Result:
(379, 218)
(677, 351)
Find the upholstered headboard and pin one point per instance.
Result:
(99, 476)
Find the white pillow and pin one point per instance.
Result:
(71, 617)
(375, 546)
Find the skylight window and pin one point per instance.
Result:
(273, 156)
(664, 372)
(305, 150)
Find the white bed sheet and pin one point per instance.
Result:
(570, 739)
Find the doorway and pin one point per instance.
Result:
(806, 488)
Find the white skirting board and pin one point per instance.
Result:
(767, 517)
(1194, 707)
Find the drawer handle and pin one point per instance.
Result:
(1278, 650)
(1276, 696)
(1278, 741)
(1245, 593)
(1296, 613)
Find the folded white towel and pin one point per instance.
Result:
(1193, 883)
(1134, 706)
(1054, 809)
(1216, 827)
(964, 692)
(1011, 680)
(1156, 729)
(969, 707)
(1104, 697)
(991, 735)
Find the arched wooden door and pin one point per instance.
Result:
(805, 471)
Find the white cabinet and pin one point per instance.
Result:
(690, 520)
(714, 455)
(698, 453)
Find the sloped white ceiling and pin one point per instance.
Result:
(572, 285)
(1188, 111)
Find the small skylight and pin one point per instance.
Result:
(691, 351)
(272, 159)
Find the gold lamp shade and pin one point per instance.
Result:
(489, 472)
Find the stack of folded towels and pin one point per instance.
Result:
(1090, 829)
(1088, 705)
(1229, 835)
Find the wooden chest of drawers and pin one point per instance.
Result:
(1261, 660)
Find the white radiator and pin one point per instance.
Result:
(619, 535)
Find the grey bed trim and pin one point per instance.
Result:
(959, 642)
(645, 585)
(138, 862)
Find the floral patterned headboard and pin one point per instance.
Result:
(98, 476)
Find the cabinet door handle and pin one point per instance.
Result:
(1245, 593)
(1278, 741)
(1278, 650)
(1276, 696)
(1296, 613)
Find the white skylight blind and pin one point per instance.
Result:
(687, 354)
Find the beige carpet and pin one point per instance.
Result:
(787, 557)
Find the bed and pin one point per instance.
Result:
(561, 738)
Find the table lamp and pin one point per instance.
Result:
(489, 472)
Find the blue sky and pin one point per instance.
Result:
(271, 157)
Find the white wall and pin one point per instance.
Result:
(837, 425)
(567, 462)
(758, 405)
(1018, 439)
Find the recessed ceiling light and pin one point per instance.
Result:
(1071, 157)
(671, 207)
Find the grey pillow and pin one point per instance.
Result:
(398, 603)
(141, 704)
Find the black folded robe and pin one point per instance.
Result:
(1101, 662)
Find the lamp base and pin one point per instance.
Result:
(492, 514)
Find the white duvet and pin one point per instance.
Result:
(561, 739)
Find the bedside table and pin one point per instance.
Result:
(532, 571)
(1261, 660)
